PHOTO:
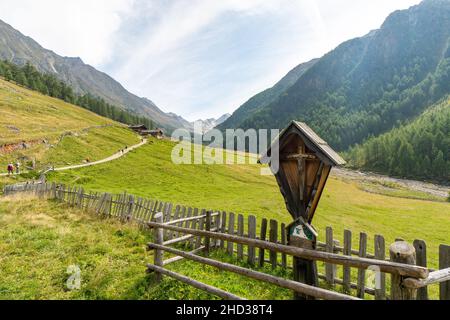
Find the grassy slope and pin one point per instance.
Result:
(38, 117)
(39, 240)
(149, 172)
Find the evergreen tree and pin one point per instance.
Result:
(47, 84)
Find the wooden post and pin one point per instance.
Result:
(356, 262)
(263, 238)
(361, 289)
(305, 270)
(201, 225)
(223, 228)
(230, 245)
(421, 257)
(188, 225)
(217, 225)
(251, 235)
(240, 247)
(329, 268)
(194, 223)
(284, 242)
(402, 252)
(208, 228)
(80, 198)
(159, 239)
(444, 262)
(348, 252)
(274, 239)
(380, 254)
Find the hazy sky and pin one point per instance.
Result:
(197, 58)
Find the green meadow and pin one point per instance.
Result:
(149, 172)
(56, 133)
(40, 239)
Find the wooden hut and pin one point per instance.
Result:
(139, 128)
(157, 133)
(305, 162)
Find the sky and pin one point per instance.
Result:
(196, 58)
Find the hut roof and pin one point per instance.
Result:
(311, 139)
(138, 126)
(155, 131)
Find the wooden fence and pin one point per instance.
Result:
(190, 229)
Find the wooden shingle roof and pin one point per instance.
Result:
(312, 140)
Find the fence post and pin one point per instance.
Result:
(251, 235)
(223, 228)
(230, 245)
(361, 285)
(53, 194)
(207, 228)
(444, 262)
(348, 252)
(263, 238)
(380, 254)
(402, 252)
(159, 239)
(240, 247)
(329, 268)
(421, 257)
(273, 236)
(283, 242)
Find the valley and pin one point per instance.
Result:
(149, 172)
(98, 189)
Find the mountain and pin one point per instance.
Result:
(222, 119)
(51, 131)
(420, 149)
(368, 85)
(268, 96)
(211, 123)
(83, 78)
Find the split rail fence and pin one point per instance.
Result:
(259, 243)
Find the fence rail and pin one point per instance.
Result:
(258, 242)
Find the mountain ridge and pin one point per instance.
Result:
(367, 85)
(211, 123)
(20, 49)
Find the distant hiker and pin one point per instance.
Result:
(10, 169)
(18, 167)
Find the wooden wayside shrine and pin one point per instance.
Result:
(305, 162)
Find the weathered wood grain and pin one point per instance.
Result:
(421, 260)
(380, 254)
(274, 239)
(240, 232)
(355, 262)
(402, 252)
(346, 277)
(444, 262)
(262, 237)
(362, 272)
(251, 235)
(194, 283)
(230, 244)
(329, 268)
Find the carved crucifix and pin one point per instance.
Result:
(305, 164)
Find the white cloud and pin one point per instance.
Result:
(82, 28)
(198, 58)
